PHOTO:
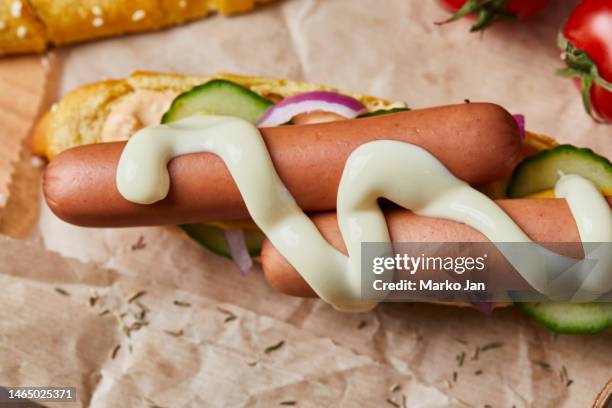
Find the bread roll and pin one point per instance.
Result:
(79, 117)
(34, 25)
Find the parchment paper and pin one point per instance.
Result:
(211, 337)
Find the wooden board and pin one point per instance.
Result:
(26, 87)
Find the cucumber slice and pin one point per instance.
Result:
(218, 97)
(212, 238)
(541, 171)
(570, 318)
(382, 112)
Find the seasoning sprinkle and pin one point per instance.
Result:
(455, 375)
(478, 372)
(152, 403)
(138, 15)
(476, 353)
(16, 8)
(391, 402)
(230, 315)
(178, 333)
(143, 312)
(252, 363)
(104, 312)
(395, 388)
(404, 402)
(274, 347)
(136, 295)
(288, 403)
(140, 244)
(565, 376)
(361, 325)
(22, 31)
(466, 100)
(180, 303)
(491, 346)
(62, 292)
(115, 351)
(544, 365)
(124, 328)
(460, 358)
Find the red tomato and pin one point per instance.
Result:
(488, 12)
(589, 29)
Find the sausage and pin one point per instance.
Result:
(478, 142)
(544, 220)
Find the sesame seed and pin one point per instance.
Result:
(183, 4)
(96, 10)
(2, 25)
(37, 162)
(97, 22)
(54, 107)
(138, 15)
(3, 200)
(22, 31)
(16, 9)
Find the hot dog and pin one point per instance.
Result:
(543, 220)
(79, 184)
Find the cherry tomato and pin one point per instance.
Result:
(588, 30)
(488, 11)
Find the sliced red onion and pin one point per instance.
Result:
(325, 101)
(484, 307)
(236, 244)
(520, 121)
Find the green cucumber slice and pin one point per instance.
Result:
(382, 112)
(212, 238)
(570, 318)
(218, 97)
(541, 171)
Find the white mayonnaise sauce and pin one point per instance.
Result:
(372, 171)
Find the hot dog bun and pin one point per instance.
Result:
(34, 25)
(78, 118)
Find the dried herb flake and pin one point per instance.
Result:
(136, 295)
(491, 346)
(62, 292)
(178, 333)
(274, 347)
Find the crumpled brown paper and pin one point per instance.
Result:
(202, 334)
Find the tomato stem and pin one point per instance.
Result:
(487, 12)
(579, 64)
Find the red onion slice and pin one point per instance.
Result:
(520, 121)
(325, 101)
(236, 244)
